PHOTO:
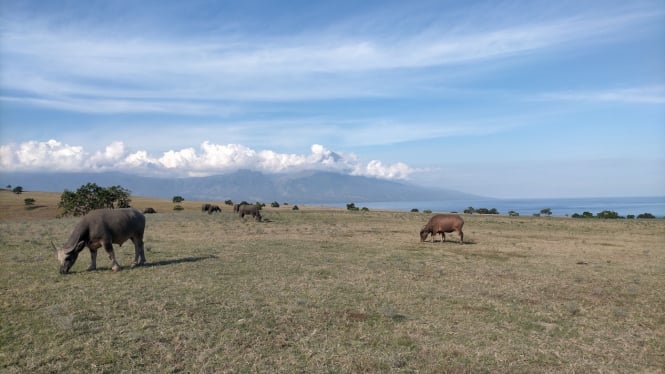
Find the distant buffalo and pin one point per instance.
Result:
(149, 211)
(205, 207)
(236, 207)
(252, 210)
(214, 208)
(441, 224)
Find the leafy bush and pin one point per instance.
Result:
(91, 196)
(295, 207)
(274, 204)
(178, 199)
(29, 201)
(583, 215)
(513, 213)
(646, 216)
(414, 210)
(546, 212)
(608, 214)
(352, 207)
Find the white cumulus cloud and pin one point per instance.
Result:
(208, 159)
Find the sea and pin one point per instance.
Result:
(559, 207)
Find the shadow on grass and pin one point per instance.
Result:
(178, 261)
(448, 241)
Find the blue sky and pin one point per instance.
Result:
(497, 98)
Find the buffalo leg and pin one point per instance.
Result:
(109, 249)
(461, 237)
(93, 260)
(139, 254)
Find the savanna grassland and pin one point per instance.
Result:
(326, 290)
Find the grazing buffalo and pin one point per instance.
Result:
(441, 224)
(214, 208)
(104, 227)
(236, 207)
(252, 210)
(205, 207)
(149, 211)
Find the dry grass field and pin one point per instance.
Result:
(326, 290)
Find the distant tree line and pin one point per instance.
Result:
(609, 214)
(91, 196)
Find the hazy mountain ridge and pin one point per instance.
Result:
(304, 187)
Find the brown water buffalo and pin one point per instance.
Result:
(214, 208)
(103, 228)
(252, 210)
(149, 211)
(441, 224)
(236, 207)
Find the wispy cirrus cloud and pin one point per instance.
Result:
(74, 70)
(643, 95)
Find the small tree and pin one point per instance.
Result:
(469, 210)
(274, 204)
(546, 212)
(91, 196)
(17, 190)
(228, 202)
(352, 207)
(608, 214)
(29, 202)
(178, 199)
(295, 207)
(646, 216)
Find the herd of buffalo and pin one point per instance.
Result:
(105, 227)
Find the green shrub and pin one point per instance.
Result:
(91, 196)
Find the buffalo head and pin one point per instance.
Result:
(423, 234)
(67, 256)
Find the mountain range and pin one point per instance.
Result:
(303, 188)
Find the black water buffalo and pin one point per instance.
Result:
(252, 210)
(103, 228)
(236, 207)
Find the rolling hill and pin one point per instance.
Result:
(305, 187)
